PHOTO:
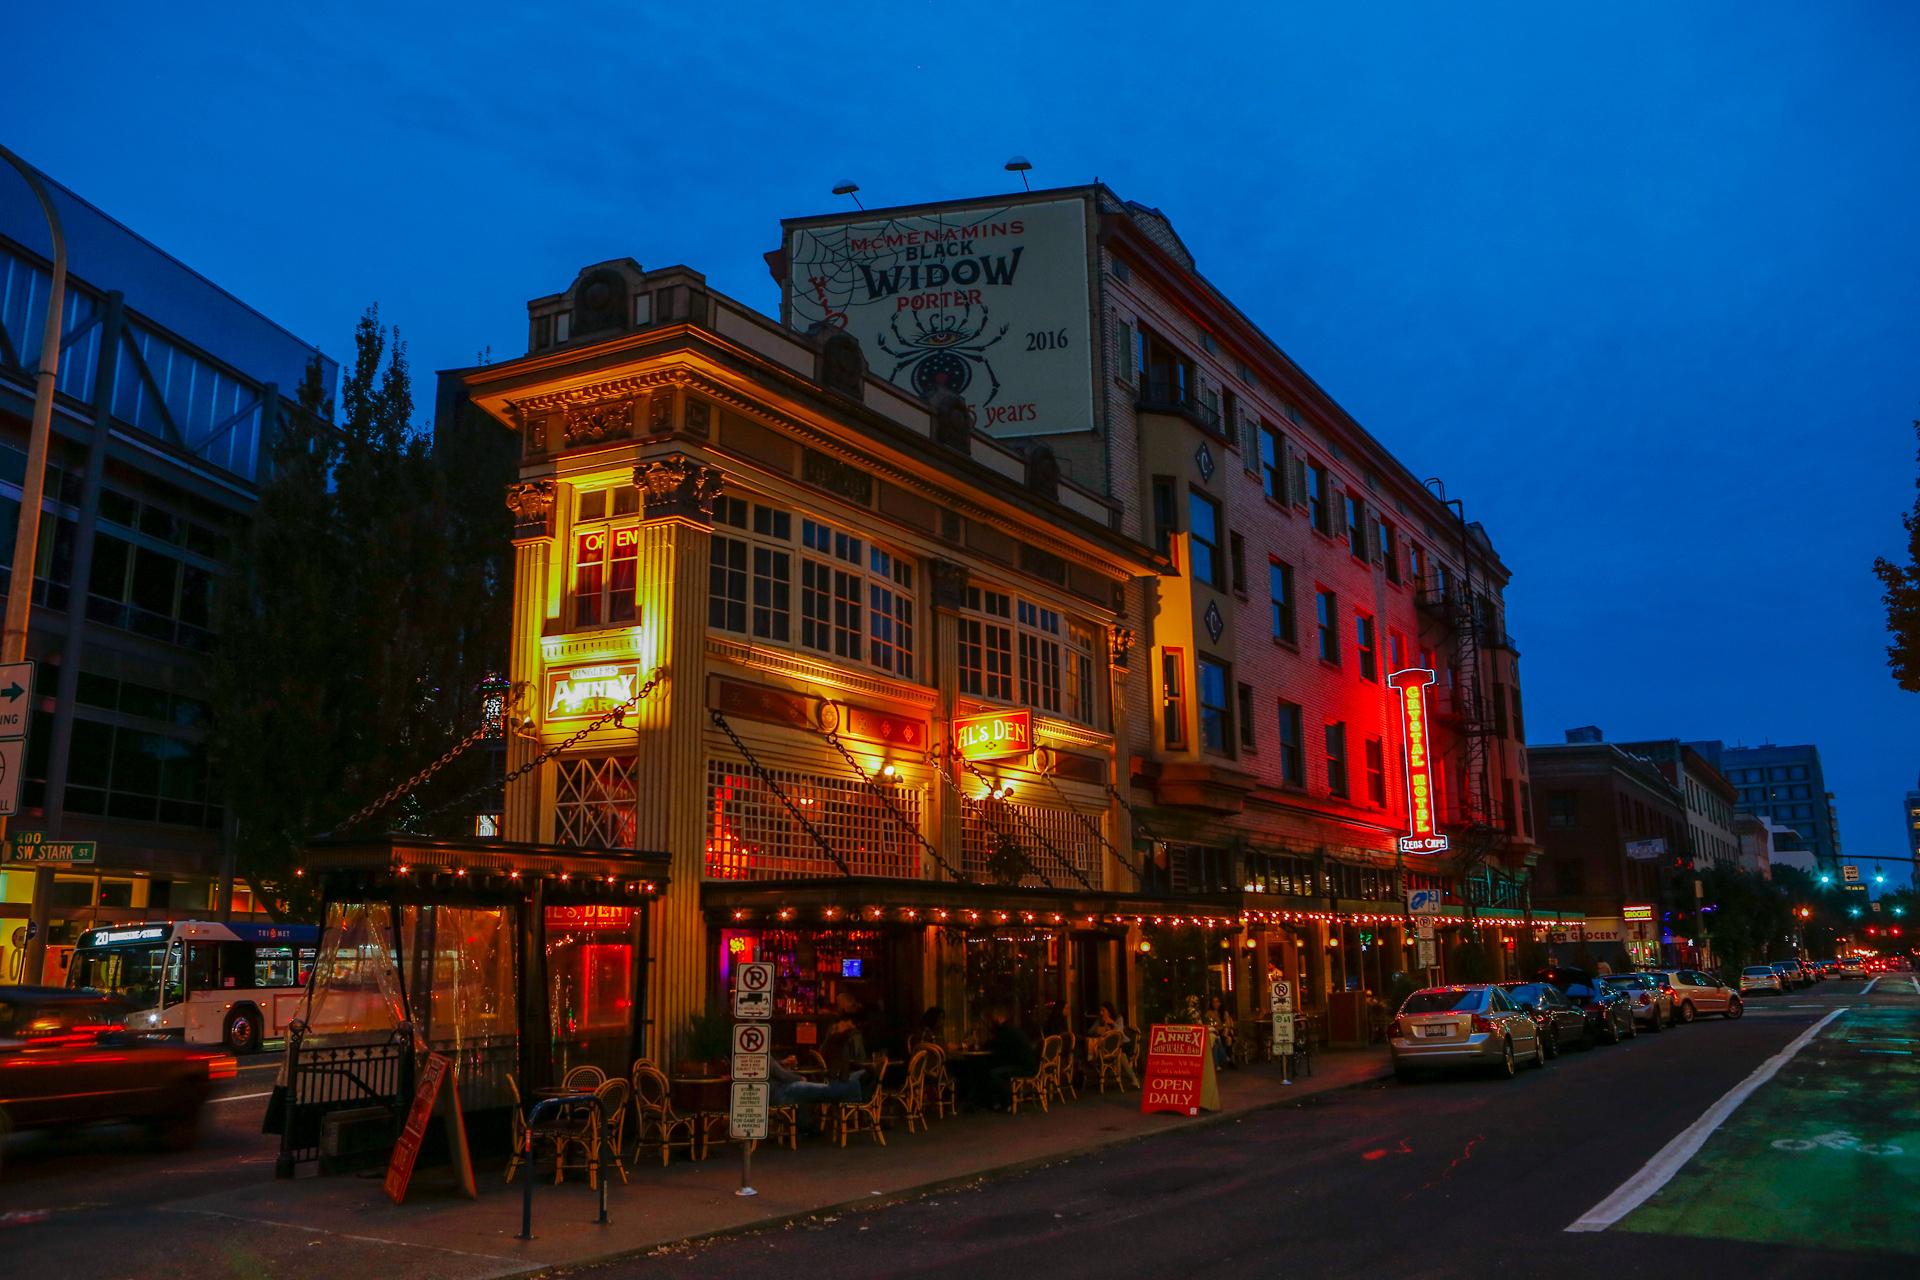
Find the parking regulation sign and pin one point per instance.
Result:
(747, 1116)
(753, 990)
(752, 1042)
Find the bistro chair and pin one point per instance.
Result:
(815, 1062)
(850, 1118)
(1064, 1069)
(576, 1128)
(1034, 1088)
(911, 1097)
(941, 1089)
(1107, 1061)
(525, 1141)
(783, 1125)
(584, 1079)
(660, 1125)
(614, 1096)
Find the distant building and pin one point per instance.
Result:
(1610, 827)
(168, 391)
(1785, 784)
(1708, 796)
(1910, 819)
(1764, 844)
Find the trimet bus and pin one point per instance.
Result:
(225, 984)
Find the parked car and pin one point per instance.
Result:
(66, 1059)
(1464, 1026)
(1789, 970)
(1700, 993)
(1649, 994)
(1763, 977)
(1827, 969)
(1609, 1015)
(1554, 1016)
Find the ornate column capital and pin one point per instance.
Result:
(531, 502)
(677, 486)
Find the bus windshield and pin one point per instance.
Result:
(133, 970)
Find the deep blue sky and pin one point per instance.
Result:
(1637, 279)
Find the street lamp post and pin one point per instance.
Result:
(26, 534)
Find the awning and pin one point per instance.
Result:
(407, 868)
(867, 899)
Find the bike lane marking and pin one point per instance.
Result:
(1655, 1173)
(1827, 1155)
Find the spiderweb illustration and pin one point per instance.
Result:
(825, 268)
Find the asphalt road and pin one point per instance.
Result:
(1462, 1176)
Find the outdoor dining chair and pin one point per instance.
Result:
(910, 1098)
(941, 1090)
(1108, 1061)
(614, 1096)
(1034, 1088)
(659, 1124)
(850, 1118)
(584, 1078)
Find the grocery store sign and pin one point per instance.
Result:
(1422, 835)
(993, 737)
(1636, 913)
(580, 693)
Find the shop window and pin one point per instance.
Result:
(593, 802)
(1054, 671)
(1039, 639)
(986, 645)
(1049, 837)
(605, 574)
(752, 835)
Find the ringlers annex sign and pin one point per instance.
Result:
(987, 301)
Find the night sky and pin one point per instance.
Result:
(1637, 279)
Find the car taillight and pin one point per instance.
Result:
(222, 1068)
(1397, 1029)
(1482, 1025)
(1645, 998)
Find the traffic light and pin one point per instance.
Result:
(1854, 912)
(1899, 911)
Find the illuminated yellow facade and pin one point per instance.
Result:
(754, 590)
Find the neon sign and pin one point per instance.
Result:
(1422, 834)
(1636, 913)
(989, 737)
(580, 692)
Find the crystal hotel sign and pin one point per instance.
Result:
(1421, 837)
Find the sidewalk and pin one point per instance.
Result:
(474, 1240)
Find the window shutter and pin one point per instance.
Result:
(1249, 441)
(1295, 473)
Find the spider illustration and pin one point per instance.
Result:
(942, 350)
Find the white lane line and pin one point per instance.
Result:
(1869, 987)
(240, 1097)
(1657, 1172)
(345, 1235)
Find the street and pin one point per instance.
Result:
(1444, 1177)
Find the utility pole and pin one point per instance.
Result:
(26, 535)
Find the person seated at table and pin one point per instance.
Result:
(932, 1029)
(1011, 1056)
(1106, 1022)
(845, 1048)
(789, 1086)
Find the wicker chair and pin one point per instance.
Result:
(659, 1125)
(1035, 1087)
(523, 1140)
(1108, 1062)
(614, 1097)
(942, 1092)
(584, 1078)
(910, 1099)
(1064, 1069)
(850, 1118)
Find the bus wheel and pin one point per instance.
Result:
(243, 1031)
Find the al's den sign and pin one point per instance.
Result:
(987, 301)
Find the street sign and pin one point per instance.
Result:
(1280, 1006)
(16, 712)
(1647, 850)
(747, 1116)
(1423, 930)
(753, 991)
(33, 846)
(1422, 902)
(1850, 873)
(751, 1055)
(1424, 956)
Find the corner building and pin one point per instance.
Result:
(1300, 564)
(827, 584)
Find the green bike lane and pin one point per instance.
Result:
(1824, 1154)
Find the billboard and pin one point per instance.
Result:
(988, 301)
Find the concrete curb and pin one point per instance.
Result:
(902, 1194)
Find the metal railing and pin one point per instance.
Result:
(1162, 396)
(321, 1079)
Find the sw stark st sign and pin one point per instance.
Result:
(1422, 833)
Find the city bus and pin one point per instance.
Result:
(235, 985)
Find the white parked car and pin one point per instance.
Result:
(1464, 1026)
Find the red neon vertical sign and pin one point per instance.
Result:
(1421, 835)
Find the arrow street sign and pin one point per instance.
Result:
(16, 711)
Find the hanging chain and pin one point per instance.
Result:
(1031, 830)
(1140, 824)
(886, 799)
(514, 775)
(394, 793)
(1090, 825)
(766, 780)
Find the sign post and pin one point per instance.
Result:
(1280, 1005)
(752, 1091)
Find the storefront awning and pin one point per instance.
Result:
(404, 867)
(873, 900)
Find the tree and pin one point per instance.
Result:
(1902, 600)
(357, 620)
(1746, 918)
